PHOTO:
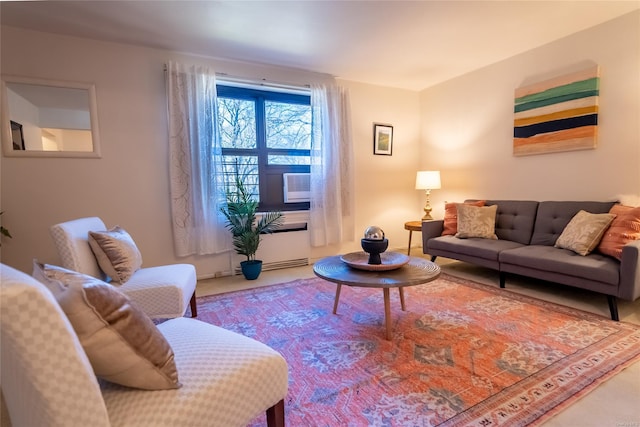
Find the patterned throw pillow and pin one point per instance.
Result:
(476, 221)
(122, 343)
(584, 231)
(116, 252)
(450, 226)
(624, 228)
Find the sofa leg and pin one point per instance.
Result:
(275, 415)
(433, 258)
(503, 279)
(194, 307)
(613, 307)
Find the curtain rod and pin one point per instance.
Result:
(258, 82)
(261, 82)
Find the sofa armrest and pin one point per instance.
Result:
(431, 229)
(630, 271)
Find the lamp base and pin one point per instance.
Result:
(427, 208)
(427, 212)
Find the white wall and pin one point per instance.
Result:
(385, 185)
(467, 124)
(129, 185)
(463, 127)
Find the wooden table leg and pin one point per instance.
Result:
(409, 247)
(401, 291)
(387, 313)
(335, 303)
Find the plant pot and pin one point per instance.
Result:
(251, 269)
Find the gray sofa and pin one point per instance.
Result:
(527, 231)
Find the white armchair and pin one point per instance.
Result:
(47, 380)
(161, 292)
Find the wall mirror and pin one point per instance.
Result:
(47, 118)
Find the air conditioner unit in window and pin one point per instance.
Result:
(296, 187)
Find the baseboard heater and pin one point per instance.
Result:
(286, 247)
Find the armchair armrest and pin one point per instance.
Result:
(629, 288)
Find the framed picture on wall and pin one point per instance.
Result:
(17, 136)
(382, 139)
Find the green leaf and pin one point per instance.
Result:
(240, 213)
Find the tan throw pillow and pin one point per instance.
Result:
(450, 226)
(624, 228)
(121, 342)
(116, 252)
(584, 231)
(476, 221)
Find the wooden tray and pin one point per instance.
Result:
(390, 261)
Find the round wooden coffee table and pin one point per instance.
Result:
(415, 272)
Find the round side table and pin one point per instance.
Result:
(412, 226)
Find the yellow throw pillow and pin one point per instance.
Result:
(476, 221)
(584, 231)
(122, 343)
(116, 252)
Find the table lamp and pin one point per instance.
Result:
(427, 181)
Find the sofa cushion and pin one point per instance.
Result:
(624, 229)
(546, 258)
(474, 247)
(121, 342)
(553, 217)
(450, 225)
(474, 221)
(584, 231)
(515, 219)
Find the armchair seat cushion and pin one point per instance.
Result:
(227, 379)
(163, 291)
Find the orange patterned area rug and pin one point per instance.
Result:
(463, 354)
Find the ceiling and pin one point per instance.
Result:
(403, 44)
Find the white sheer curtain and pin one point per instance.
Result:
(195, 161)
(332, 198)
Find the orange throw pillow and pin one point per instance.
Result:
(624, 228)
(451, 216)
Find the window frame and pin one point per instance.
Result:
(267, 172)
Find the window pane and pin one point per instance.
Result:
(237, 121)
(278, 159)
(247, 169)
(288, 125)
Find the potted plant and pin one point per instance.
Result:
(240, 213)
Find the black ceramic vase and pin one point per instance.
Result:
(374, 248)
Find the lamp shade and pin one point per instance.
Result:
(428, 180)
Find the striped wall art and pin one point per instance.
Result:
(556, 115)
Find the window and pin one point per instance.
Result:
(264, 135)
